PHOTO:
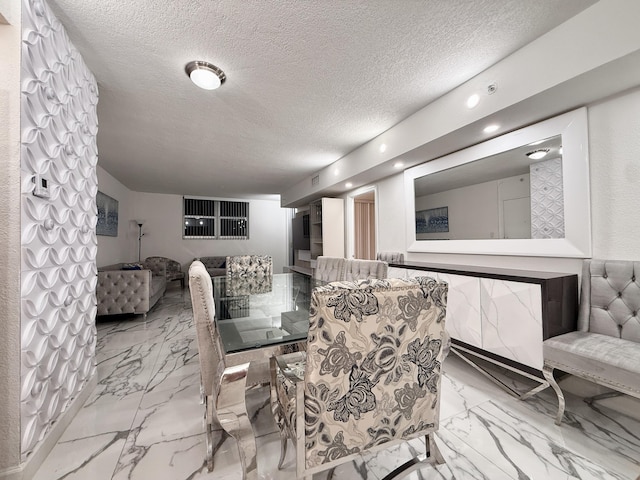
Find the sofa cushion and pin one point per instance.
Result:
(609, 360)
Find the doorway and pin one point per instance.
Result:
(364, 226)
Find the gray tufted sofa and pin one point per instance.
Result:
(129, 291)
(216, 266)
(606, 347)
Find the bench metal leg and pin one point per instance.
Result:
(548, 374)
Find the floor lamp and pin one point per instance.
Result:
(140, 234)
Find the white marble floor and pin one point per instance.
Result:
(144, 421)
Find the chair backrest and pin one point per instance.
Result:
(390, 257)
(329, 269)
(210, 349)
(362, 269)
(373, 368)
(249, 266)
(610, 298)
(157, 265)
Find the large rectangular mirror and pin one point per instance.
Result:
(523, 193)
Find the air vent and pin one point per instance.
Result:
(315, 180)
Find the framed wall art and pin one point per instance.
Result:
(432, 220)
(107, 215)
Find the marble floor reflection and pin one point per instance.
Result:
(144, 421)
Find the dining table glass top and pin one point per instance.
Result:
(257, 312)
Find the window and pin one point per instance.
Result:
(219, 219)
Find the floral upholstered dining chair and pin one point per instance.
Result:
(370, 377)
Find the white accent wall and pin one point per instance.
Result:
(59, 125)
(547, 199)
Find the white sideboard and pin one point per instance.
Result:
(503, 314)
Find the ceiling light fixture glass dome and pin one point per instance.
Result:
(205, 75)
(538, 154)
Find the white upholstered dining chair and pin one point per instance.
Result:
(355, 269)
(221, 411)
(329, 269)
(370, 377)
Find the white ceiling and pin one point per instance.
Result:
(307, 81)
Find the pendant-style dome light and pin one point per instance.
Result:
(205, 75)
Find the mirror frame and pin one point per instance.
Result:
(575, 179)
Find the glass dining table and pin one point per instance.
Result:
(258, 318)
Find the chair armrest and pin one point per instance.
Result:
(292, 365)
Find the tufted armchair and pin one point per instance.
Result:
(370, 377)
(173, 269)
(390, 257)
(219, 410)
(329, 269)
(361, 269)
(606, 347)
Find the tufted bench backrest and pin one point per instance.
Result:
(610, 299)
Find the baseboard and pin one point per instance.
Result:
(27, 469)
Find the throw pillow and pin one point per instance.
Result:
(131, 266)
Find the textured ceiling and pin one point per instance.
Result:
(307, 81)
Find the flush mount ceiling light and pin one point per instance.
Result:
(537, 154)
(205, 75)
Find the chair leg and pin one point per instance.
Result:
(208, 429)
(433, 452)
(283, 450)
(602, 396)
(547, 371)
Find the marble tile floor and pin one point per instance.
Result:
(144, 421)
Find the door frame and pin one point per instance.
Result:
(350, 217)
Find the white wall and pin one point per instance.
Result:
(10, 235)
(269, 226)
(117, 249)
(614, 142)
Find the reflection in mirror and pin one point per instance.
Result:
(515, 194)
(547, 216)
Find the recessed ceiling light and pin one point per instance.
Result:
(473, 100)
(398, 165)
(348, 184)
(491, 128)
(205, 75)
(383, 148)
(336, 171)
(537, 154)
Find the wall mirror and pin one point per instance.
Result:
(523, 193)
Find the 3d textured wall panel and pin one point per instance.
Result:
(58, 278)
(547, 199)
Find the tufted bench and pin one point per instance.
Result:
(606, 347)
(121, 291)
